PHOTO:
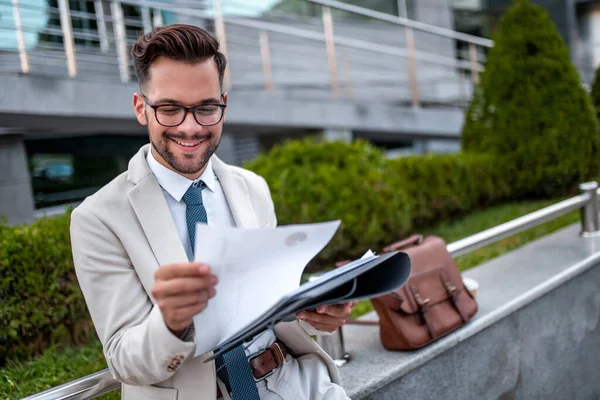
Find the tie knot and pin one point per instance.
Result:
(193, 196)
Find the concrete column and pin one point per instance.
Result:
(236, 150)
(16, 196)
(246, 148)
(226, 151)
(588, 57)
(438, 13)
(102, 7)
(338, 134)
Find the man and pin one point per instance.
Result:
(132, 245)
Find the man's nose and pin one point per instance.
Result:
(189, 125)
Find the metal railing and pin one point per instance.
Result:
(102, 382)
(306, 56)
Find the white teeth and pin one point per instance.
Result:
(187, 144)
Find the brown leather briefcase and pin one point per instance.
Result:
(434, 301)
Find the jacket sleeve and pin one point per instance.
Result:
(138, 346)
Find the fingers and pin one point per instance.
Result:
(326, 320)
(181, 291)
(180, 318)
(178, 286)
(187, 300)
(181, 270)
(323, 327)
(336, 310)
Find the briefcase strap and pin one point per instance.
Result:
(454, 291)
(402, 244)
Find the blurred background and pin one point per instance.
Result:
(397, 73)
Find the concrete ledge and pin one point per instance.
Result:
(57, 106)
(521, 343)
(16, 199)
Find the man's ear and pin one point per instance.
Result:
(139, 106)
(225, 101)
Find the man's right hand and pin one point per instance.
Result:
(181, 291)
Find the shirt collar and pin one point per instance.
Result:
(175, 184)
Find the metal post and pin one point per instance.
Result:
(146, 20)
(67, 30)
(474, 63)
(590, 223)
(409, 34)
(220, 33)
(462, 92)
(402, 9)
(120, 39)
(332, 344)
(347, 74)
(20, 37)
(101, 23)
(157, 19)
(265, 57)
(330, 46)
(412, 68)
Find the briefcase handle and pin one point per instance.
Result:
(402, 244)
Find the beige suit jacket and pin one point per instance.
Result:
(120, 236)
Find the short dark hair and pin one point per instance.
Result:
(177, 42)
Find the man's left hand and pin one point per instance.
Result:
(327, 318)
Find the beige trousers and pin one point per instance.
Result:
(302, 378)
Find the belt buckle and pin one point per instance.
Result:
(258, 354)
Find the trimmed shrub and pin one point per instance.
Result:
(443, 186)
(530, 109)
(596, 93)
(378, 200)
(314, 182)
(41, 301)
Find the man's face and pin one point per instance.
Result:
(185, 148)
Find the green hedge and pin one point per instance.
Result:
(41, 301)
(439, 187)
(378, 200)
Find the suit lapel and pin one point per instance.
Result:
(237, 195)
(150, 206)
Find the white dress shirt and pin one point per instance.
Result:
(174, 187)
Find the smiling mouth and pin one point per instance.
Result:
(187, 143)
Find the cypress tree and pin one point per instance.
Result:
(596, 93)
(530, 109)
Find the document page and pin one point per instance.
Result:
(256, 267)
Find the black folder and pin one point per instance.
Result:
(357, 280)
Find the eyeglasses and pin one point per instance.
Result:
(170, 115)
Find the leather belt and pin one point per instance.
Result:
(264, 363)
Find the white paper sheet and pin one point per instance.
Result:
(256, 267)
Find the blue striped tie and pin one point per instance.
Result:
(236, 373)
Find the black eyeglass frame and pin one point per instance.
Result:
(185, 111)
